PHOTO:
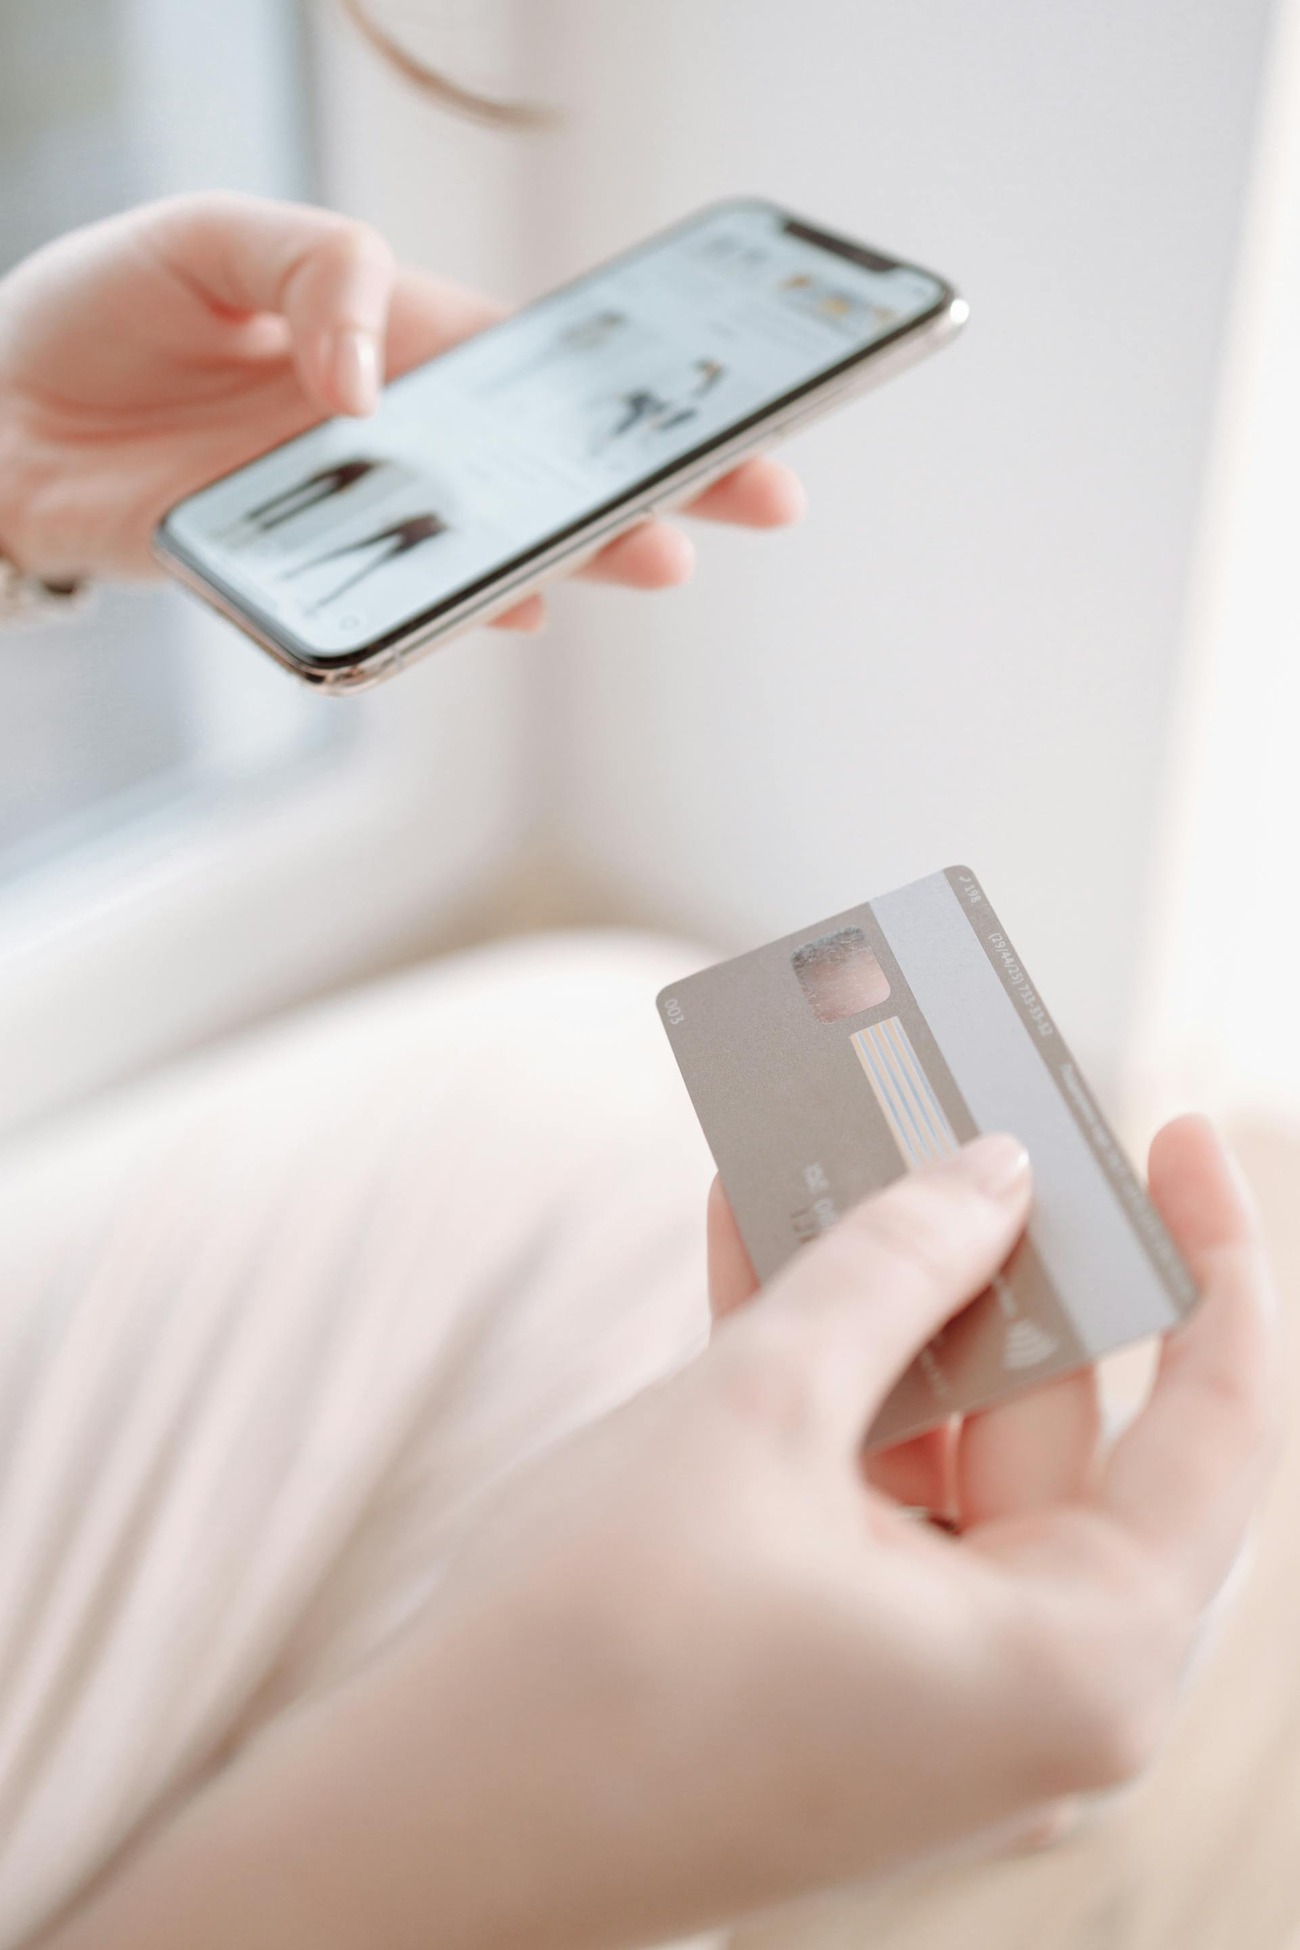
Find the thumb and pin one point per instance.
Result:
(330, 279)
(855, 1308)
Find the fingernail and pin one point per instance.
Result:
(356, 370)
(998, 1164)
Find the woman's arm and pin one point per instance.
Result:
(693, 1663)
(145, 356)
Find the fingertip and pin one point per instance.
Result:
(312, 360)
(358, 272)
(336, 298)
(783, 500)
(676, 556)
(653, 555)
(760, 493)
(355, 371)
(996, 1164)
(1198, 1186)
(339, 371)
(527, 618)
(1192, 1132)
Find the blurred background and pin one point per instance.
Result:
(1042, 617)
(1039, 584)
(1043, 592)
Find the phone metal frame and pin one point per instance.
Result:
(688, 478)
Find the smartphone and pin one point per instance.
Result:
(361, 544)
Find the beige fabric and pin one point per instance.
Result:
(269, 1323)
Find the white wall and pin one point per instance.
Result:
(969, 650)
(1218, 1023)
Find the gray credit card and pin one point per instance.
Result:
(827, 1064)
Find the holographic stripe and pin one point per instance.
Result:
(905, 1094)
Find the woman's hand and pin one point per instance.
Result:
(693, 1663)
(145, 356)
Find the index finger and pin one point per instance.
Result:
(329, 277)
(1185, 1478)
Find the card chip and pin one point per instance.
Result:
(840, 975)
(905, 1094)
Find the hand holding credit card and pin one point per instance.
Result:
(828, 1063)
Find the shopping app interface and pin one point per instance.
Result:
(354, 528)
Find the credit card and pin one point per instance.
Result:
(827, 1064)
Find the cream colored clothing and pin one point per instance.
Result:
(271, 1322)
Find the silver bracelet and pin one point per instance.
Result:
(29, 599)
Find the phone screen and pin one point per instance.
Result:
(351, 533)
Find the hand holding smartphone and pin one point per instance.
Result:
(359, 545)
